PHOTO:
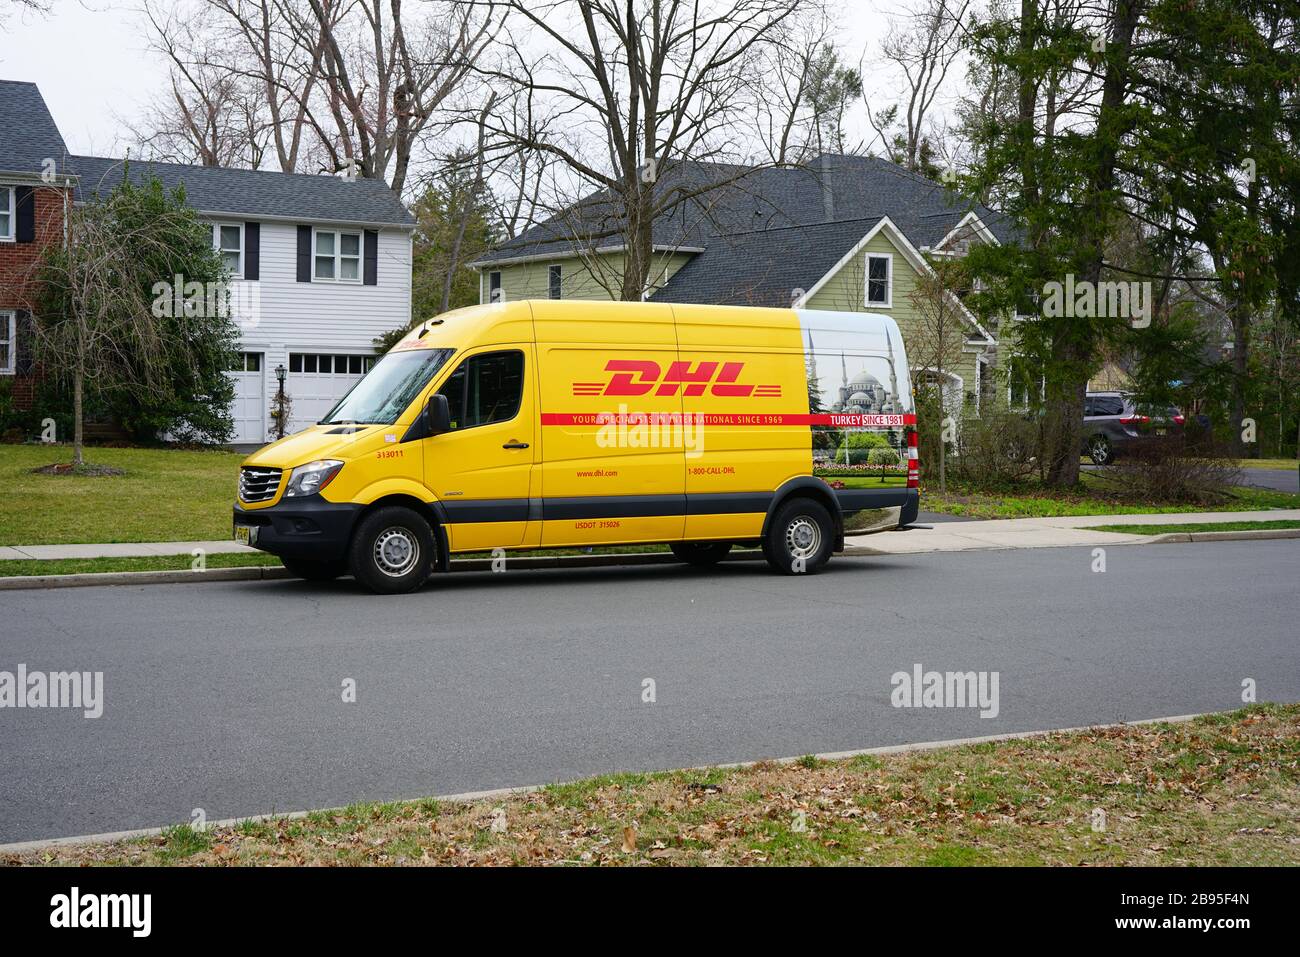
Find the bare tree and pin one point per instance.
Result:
(333, 84)
(935, 346)
(632, 97)
(922, 47)
(801, 105)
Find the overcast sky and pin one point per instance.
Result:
(91, 61)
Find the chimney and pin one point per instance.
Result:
(828, 196)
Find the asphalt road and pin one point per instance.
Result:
(227, 697)
(1279, 480)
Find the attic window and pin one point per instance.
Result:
(6, 213)
(494, 286)
(880, 279)
(555, 282)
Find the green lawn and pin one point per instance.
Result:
(1195, 527)
(1219, 790)
(148, 563)
(1091, 497)
(165, 496)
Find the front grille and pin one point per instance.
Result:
(258, 485)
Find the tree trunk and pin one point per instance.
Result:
(78, 387)
(1239, 314)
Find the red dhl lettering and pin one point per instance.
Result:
(636, 377)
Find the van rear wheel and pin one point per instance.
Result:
(314, 571)
(700, 553)
(392, 550)
(799, 537)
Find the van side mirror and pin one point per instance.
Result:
(438, 413)
(434, 419)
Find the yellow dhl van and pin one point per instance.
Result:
(539, 424)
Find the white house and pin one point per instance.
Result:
(322, 267)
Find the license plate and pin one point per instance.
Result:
(1160, 431)
(246, 534)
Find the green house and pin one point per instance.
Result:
(849, 233)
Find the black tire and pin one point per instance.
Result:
(700, 553)
(799, 538)
(1100, 450)
(392, 550)
(315, 571)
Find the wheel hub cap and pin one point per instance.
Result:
(396, 552)
(803, 537)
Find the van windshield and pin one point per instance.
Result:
(388, 388)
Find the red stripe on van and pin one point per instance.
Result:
(842, 420)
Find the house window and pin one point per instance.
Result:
(485, 389)
(1020, 385)
(554, 282)
(228, 241)
(247, 362)
(8, 330)
(337, 256)
(7, 213)
(880, 276)
(319, 364)
(494, 287)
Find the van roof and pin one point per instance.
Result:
(514, 322)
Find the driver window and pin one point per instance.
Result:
(485, 389)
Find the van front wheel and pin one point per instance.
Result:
(799, 537)
(700, 553)
(392, 550)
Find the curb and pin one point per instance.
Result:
(272, 572)
(109, 837)
(1257, 534)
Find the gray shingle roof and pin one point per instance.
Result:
(28, 135)
(254, 193)
(764, 267)
(771, 230)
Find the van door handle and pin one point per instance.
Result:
(515, 445)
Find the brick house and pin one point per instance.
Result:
(319, 265)
(35, 193)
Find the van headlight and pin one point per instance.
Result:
(311, 478)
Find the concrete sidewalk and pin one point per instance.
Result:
(1045, 532)
(947, 537)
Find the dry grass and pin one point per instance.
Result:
(1219, 790)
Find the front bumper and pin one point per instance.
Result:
(309, 528)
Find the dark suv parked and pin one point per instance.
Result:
(1112, 420)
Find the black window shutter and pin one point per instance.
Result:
(371, 274)
(252, 250)
(304, 254)
(25, 200)
(24, 332)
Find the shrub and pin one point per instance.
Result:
(997, 448)
(1170, 469)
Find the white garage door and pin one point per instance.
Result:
(317, 381)
(249, 409)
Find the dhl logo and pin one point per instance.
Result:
(633, 377)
